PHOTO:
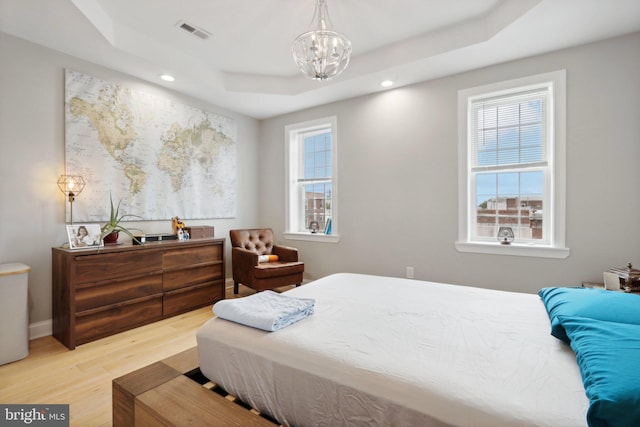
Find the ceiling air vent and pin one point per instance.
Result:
(193, 29)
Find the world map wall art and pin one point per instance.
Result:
(160, 157)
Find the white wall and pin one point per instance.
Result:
(32, 157)
(398, 176)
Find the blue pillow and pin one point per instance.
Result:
(598, 304)
(608, 354)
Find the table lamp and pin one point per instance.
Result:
(71, 185)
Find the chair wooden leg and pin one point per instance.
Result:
(235, 287)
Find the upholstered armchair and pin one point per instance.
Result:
(248, 250)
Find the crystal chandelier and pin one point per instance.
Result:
(321, 53)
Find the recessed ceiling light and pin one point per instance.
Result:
(386, 83)
(167, 77)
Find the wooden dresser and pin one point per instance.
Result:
(100, 292)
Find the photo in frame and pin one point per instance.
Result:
(84, 236)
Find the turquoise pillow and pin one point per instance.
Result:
(600, 304)
(608, 355)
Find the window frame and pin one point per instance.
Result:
(555, 192)
(295, 199)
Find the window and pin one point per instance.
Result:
(512, 168)
(311, 180)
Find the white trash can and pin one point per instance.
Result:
(14, 314)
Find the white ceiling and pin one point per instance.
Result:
(246, 64)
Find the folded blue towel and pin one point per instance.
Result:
(265, 310)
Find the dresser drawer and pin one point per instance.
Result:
(92, 268)
(187, 299)
(192, 276)
(95, 324)
(100, 294)
(191, 256)
(104, 291)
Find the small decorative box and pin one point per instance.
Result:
(629, 278)
(200, 232)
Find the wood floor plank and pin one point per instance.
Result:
(52, 374)
(82, 377)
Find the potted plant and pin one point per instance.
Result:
(111, 229)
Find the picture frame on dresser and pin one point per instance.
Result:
(84, 235)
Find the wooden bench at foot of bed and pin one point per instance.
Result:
(173, 392)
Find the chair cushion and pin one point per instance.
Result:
(277, 268)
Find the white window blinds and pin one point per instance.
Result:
(509, 131)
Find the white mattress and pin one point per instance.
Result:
(396, 352)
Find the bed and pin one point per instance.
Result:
(395, 352)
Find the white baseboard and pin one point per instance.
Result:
(40, 329)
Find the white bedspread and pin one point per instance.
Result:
(395, 352)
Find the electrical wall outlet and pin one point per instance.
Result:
(409, 272)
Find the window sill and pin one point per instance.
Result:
(513, 249)
(313, 237)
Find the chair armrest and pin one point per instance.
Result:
(244, 256)
(243, 261)
(285, 253)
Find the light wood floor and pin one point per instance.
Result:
(52, 374)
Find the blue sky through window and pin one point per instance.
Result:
(317, 173)
(317, 156)
(510, 133)
(493, 185)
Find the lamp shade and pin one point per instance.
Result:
(505, 235)
(71, 185)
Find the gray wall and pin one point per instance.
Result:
(398, 176)
(32, 157)
(397, 172)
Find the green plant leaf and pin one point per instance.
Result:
(114, 221)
